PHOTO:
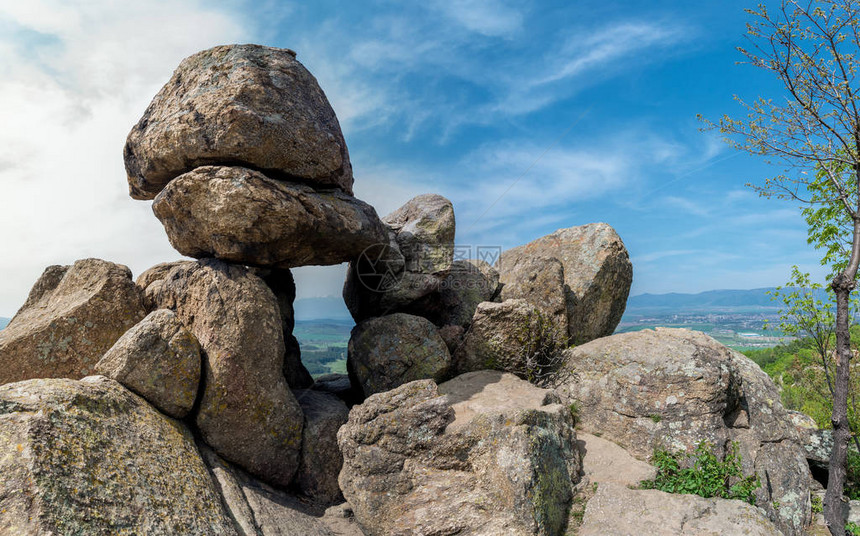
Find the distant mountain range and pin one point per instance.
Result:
(328, 308)
(709, 300)
(4, 322)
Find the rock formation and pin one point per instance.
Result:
(486, 453)
(159, 360)
(72, 316)
(250, 174)
(672, 388)
(597, 275)
(388, 351)
(254, 106)
(90, 457)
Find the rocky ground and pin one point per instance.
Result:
(177, 403)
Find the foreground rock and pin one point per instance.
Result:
(247, 412)
(485, 453)
(408, 265)
(621, 511)
(238, 104)
(159, 360)
(257, 509)
(597, 275)
(513, 336)
(672, 388)
(72, 316)
(242, 216)
(90, 457)
(391, 350)
(321, 459)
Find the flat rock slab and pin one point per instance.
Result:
(72, 316)
(90, 457)
(245, 217)
(238, 104)
(620, 511)
(604, 461)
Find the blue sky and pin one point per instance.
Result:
(529, 116)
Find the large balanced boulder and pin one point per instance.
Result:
(484, 454)
(408, 265)
(90, 457)
(246, 411)
(72, 316)
(388, 351)
(513, 336)
(321, 460)
(159, 360)
(621, 511)
(238, 105)
(242, 216)
(671, 389)
(597, 275)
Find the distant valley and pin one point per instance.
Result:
(736, 318)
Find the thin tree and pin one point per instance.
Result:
(813, 48)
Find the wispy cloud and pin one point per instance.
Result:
(74, 81)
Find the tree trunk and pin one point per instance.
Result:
(842, 286)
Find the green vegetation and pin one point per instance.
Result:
(324, 346)
(707, 475)
(852, 528)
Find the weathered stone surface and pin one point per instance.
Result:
(340, 519)
(72, 316)
(391, 350)
(672, 388)
(411, 263)
(539, 281)
(257, 509)
(818, 444)
(283, 285)
(340, 386)
(621, 511)
(424, 229)
(149, 281)
(90, 457)
(467, 284)
(512, 336)
(484, 454)
(159, 360)
(242, 216)
(597, 274)
(321, 459)
(238, 105)
(247, 413)
(604, 461)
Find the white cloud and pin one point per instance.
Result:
(74, 83)
(486, 17)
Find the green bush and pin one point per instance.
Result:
(708, 476)
(852, 528)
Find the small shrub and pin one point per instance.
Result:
(852, 528)
(574, 411)
(542, 341)
(707, 477)
(817, 504)
(654, 417)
